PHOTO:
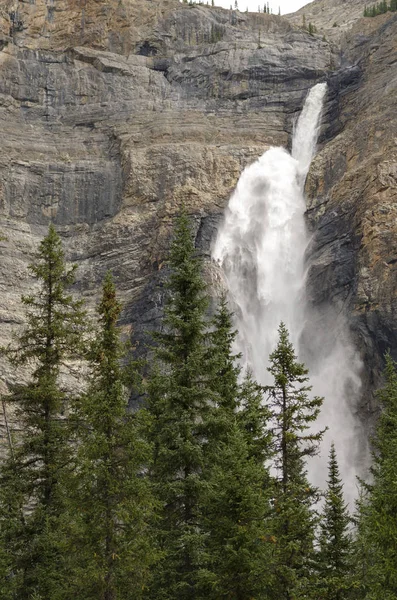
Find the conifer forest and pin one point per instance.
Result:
(198, 300)
(200, 490)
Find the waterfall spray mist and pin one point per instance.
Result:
(261, 250)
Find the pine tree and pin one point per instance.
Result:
(237, 504)
(33, 474)
(225, 369)
(377, 519)
(335, 555)
(179, 402)
(254, 417)
(293, 415)
(312, 29)
(111, 504)
(237, 520)
(10, 527)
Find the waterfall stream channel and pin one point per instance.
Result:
(262, 249)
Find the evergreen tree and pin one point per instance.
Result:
(293, 415)
(335, 544)
(254, 417)
(111, 504)
(312, 29)
(237, 520)
(10, 527)
(179, 402)
(225, 370)
(377, 521)
(237, 505)
(34, 533)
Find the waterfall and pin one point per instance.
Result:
(305, 137)
(260, 248)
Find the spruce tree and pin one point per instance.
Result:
(377, 519)
(179, 402)
(237, 506)
(240, 541)
(53, 334)
(10, 527)
(254, 419)
(335, 554)
(225, 369)
(110, 506)
(293, 416)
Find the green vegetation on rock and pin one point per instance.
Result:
(380, 8)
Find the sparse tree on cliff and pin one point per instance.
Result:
(33, 475)
(312, 29)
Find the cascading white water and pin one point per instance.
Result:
(261, 250)
(305, 136)
(262, 242)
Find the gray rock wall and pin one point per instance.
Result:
(107, 132)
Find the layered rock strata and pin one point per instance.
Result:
(113, 114)
(352, 188)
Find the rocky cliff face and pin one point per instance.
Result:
(332, 19)
(352, 188)
(115, 113)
